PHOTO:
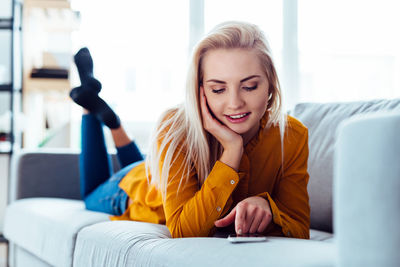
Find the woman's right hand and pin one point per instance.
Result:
(231, 141)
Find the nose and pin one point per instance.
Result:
(235, 100)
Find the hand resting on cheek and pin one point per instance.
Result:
(221, 132)
(230, 140)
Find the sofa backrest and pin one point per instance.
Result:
(322, 121)
(46, 173)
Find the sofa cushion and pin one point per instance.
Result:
(129, 243)
(322, 121)
(321, 236)
(47, 227)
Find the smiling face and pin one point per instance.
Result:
(236, 88)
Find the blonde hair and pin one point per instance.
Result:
(180, 130)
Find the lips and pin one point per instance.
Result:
(238, 118)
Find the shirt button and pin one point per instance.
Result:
(232, 181)
(218, 209)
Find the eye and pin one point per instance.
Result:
(250, 88)
(218, 91)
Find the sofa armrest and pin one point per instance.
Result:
(45, 173)
(366, 191)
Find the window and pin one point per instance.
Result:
(336, 50)
(348, 50)
(140, 51)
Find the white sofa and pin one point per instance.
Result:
(47, 224)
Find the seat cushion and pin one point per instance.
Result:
(322, 120)
(47, 227)
(129, 243)
(321, 236)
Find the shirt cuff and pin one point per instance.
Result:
(222, 175)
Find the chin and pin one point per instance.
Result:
(239, 130)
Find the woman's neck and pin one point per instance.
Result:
(250, 134)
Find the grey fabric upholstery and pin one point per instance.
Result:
(367, 186)
(46, 173)
(22, 258)
(322, 120)
(47, 227)
(125, 243)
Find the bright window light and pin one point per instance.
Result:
(140, 51)
(348, 50)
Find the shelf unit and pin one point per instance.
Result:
(10, 90)
(47, 45)
(11, 86)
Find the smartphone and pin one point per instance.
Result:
(246, 238)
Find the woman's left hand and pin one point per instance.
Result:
(251, 215)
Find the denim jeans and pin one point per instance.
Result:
(99, 185)
(109, 197)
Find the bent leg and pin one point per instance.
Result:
(129, 154)
(94, 161)
(127, 151)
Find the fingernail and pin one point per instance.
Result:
(239, 231)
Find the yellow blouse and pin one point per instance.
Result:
(192, 211)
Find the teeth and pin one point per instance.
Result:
(238, 116)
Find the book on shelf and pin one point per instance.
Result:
(51, 73)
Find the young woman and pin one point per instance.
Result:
(227, 157)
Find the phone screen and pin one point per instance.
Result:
(246, 238)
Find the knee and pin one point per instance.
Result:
(91, 204)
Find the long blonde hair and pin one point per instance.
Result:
(180, 130)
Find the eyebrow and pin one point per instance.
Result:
(242, 80)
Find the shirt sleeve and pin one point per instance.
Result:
(290, 202)
(190, 211)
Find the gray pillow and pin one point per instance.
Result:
(322, 120)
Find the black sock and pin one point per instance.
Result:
(84, 63)
(90, 100)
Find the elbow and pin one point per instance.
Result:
(301, 232)
(177, 230)
(304, 234)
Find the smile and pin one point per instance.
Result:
(237, 118)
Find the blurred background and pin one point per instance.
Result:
(324, 51)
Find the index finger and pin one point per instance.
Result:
(239, 219)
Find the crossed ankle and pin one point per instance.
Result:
(89, 100)
(92, 83)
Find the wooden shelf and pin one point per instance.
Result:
(46, 84)
(47, 3)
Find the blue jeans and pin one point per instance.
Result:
(99, 186)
